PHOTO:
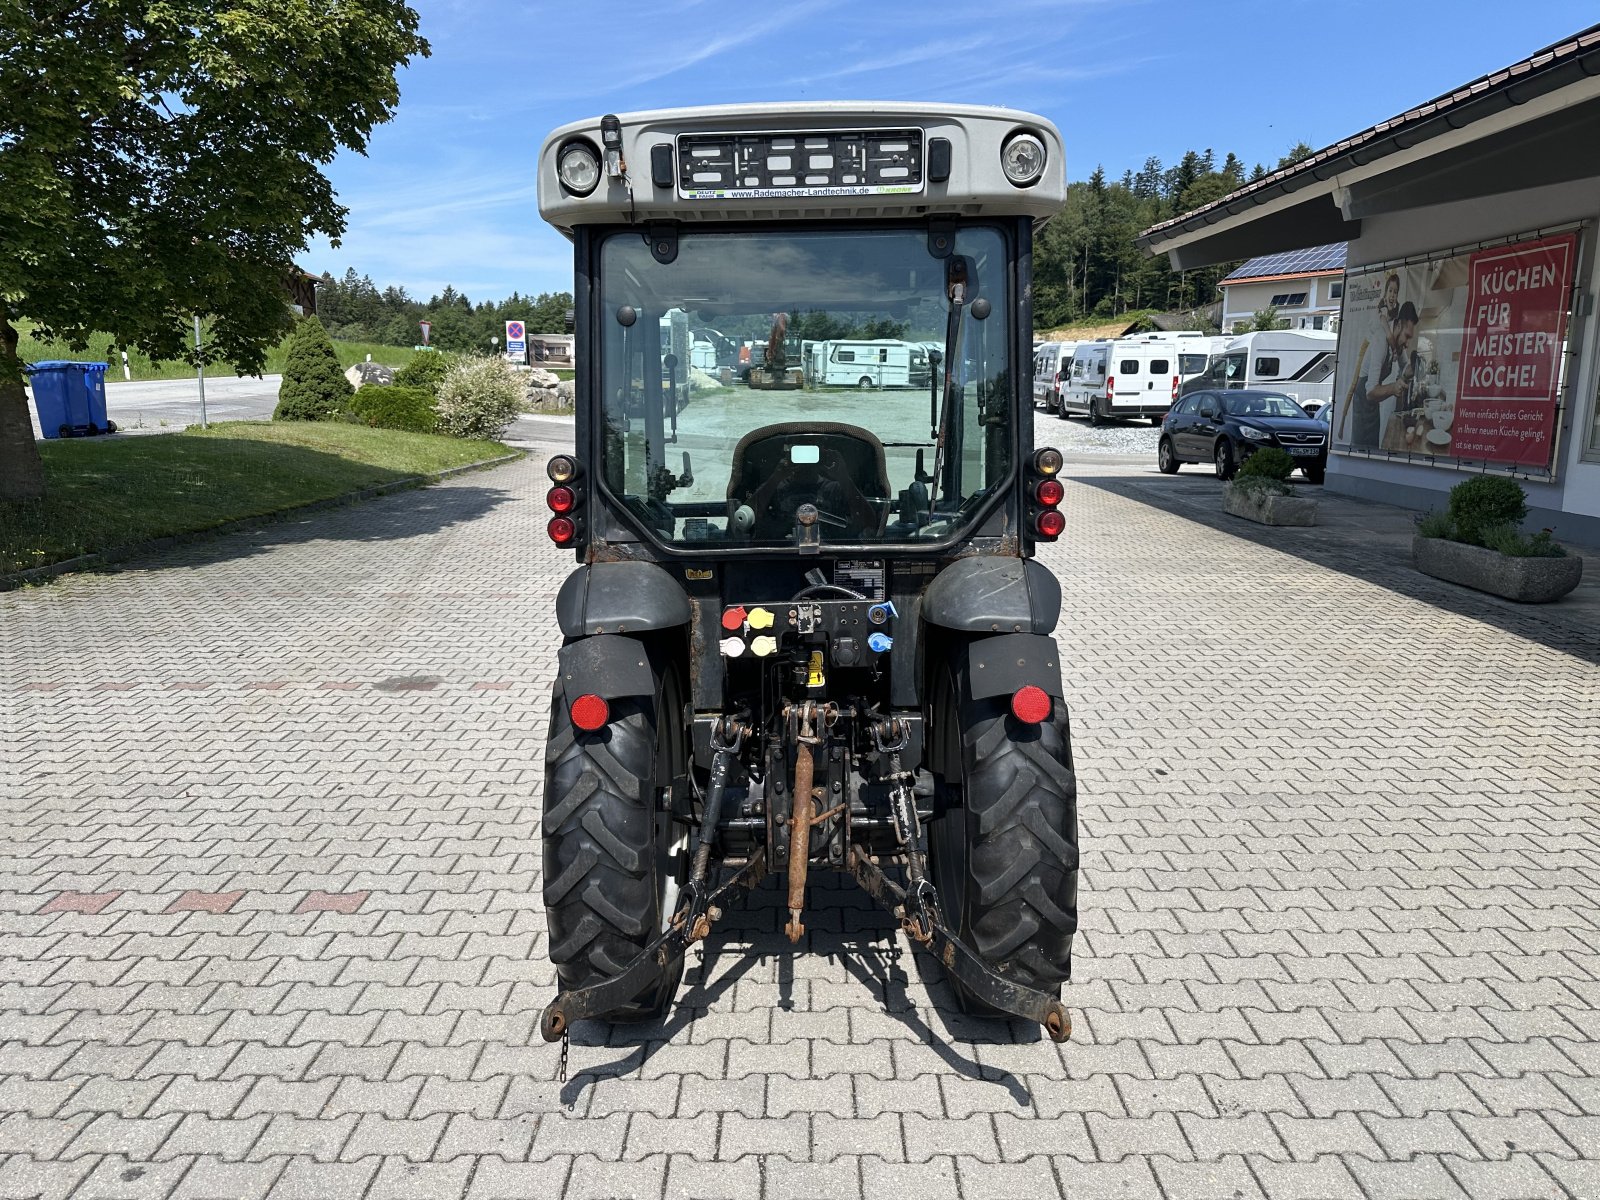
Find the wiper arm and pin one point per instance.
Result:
(957, 276)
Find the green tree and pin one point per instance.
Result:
(1266, 318)
(313, 388)
(163, 159)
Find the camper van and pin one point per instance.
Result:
(1052, 364)
(880, 363)
(1141, 379)
(1083, 378)
(1296, 362)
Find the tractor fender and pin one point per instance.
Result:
(1004, 665)
(993, 595)
(619, 597)
(607, 666)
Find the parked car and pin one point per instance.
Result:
(1225, 428)
(1050, 361)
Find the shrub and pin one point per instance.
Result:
(314, 387)
(1507, 539)
(408, 408)
(1267, 463)
(479, 397)
(426, 369)
(1482, 503)
(1436, 524)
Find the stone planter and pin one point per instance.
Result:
(1526, 580)
(1266, 508)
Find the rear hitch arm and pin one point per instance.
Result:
(1015, 999)
(608, 995)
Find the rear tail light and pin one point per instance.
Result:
(565, 500)
(1111, 386)
(1045, 493)
(590, 712)
(1031, 705)
(1174, 387)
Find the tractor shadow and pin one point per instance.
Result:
(852, 951)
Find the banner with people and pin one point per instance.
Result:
(1458, 358)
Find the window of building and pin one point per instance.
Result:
(1288, 300)
(1335, 290)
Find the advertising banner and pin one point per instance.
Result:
(1457, 358)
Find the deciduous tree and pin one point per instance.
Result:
(163, 159)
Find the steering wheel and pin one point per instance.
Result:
(846, 481)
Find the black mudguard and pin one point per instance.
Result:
(607, 666)
(1003, 665)
(984, 595)
(620, 597)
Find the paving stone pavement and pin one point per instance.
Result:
(269, 880)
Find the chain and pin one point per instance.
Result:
(561, 1067)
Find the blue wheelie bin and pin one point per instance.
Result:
(70, 398)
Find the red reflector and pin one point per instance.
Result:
(1111, 386)
(1050, 523)
(1031, 704)
(561, 530)
(561, 499)
(1049, 492)
(590, 712)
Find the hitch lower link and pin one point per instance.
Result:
(917, 908)
(697, 911)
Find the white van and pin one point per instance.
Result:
(1051, 363)
(1083, 380)
(1296, 362)
(880, 363)
(1142, 379)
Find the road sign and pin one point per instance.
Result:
(427, 328)
(516, 341)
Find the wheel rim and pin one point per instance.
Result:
(1222, 460)
(672, 843)
(1166, 454)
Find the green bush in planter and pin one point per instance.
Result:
(394, 407)
(1267, 470)
(1484, 503)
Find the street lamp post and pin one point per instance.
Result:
(494, 344)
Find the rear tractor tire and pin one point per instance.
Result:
(1004, 853)
(611, 852)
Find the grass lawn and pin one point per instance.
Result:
(108, 492)
(34, 349)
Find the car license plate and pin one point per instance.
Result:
(1305, 451)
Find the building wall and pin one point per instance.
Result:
(1241, 301)
(1570, 504)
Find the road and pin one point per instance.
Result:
(270, 918)
(143, 407)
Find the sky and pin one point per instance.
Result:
(445, 193)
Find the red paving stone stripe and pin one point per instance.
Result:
(89, 903)
(267, 685)
(211, 902)
(339, 902)
(38, 687)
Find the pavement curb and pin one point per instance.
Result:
(114, 554)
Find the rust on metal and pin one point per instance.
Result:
(800, 822)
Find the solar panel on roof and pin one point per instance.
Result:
(1293, 262)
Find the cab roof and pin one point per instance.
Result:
(976, 186)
